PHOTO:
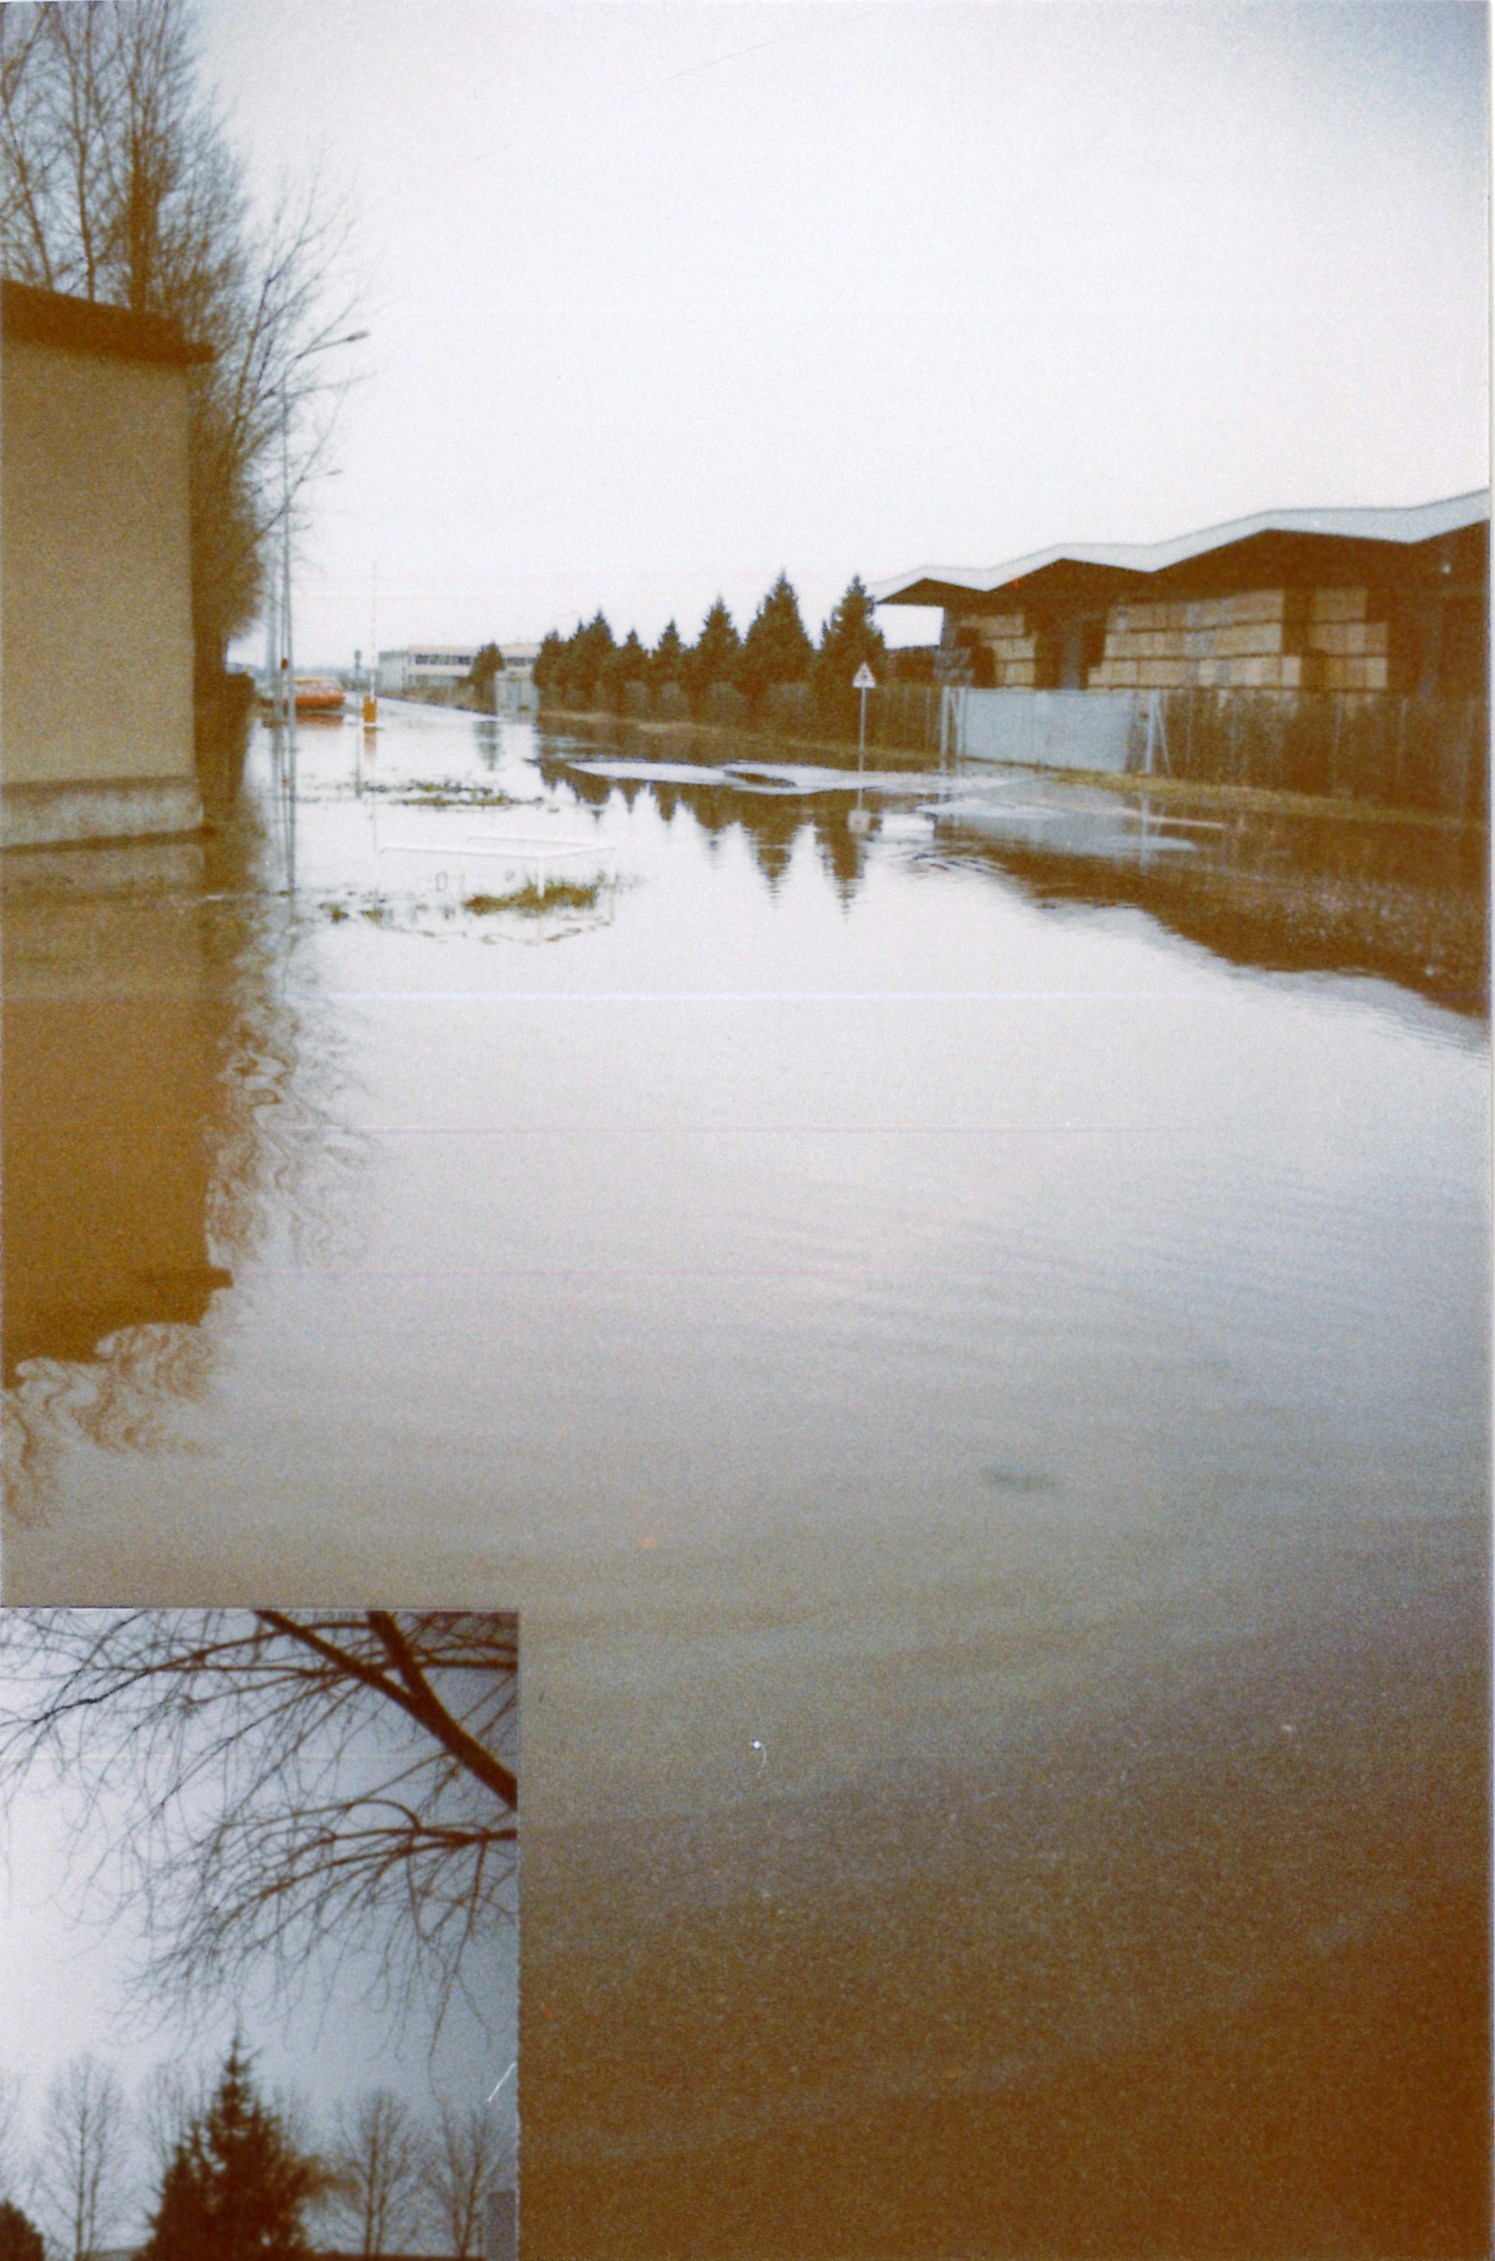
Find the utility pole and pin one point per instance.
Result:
(287, 660)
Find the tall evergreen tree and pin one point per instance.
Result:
(850, 639)
(629, 663)
(667, 660)
(485, 666)
(20, 2239)
(713, 657)
(775, 648)
(236, 2187)
(550, 661)
(591, 649)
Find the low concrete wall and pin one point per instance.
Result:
(42, 816)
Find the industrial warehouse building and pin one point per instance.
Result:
(425, 667)
(419, 668)
(1298, 600)
(97, 588)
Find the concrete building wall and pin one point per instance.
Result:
(418, 667)
(96, 719)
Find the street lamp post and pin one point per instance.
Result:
(287, 701)
(287, 661)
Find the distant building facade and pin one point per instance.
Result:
(425, 667)
(96, 598)
(514, 690)
(1362, 601)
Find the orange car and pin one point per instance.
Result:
(319, 694)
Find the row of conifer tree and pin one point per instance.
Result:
(724, 676)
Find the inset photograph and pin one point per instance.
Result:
(259, 1941)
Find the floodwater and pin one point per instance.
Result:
(961, 1324)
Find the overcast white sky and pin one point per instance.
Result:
(666, 298)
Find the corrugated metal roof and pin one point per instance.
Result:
(1414, 522)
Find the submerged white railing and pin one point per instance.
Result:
(488, 865)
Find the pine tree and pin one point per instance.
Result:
(236, 2188)
(775, 648)
(713, 657)
(667, 660)
(629, 663)
(849, 640)
(485, 666)
(550, 662)
(20, 2239)
(591, 649)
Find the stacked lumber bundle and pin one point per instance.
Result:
(1260, 640)
(1353, 651)
(1015, 659)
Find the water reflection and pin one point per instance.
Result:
(159, 1114)
(770, 818)
(1403, 899)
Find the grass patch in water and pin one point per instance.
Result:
(531, 901)
(451, 793)
(445, 793)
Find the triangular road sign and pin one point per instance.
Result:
(864, 679)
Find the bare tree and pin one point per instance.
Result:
(272, 1786)
(84, 2155)
(10, 2136)
(468, 2165)
(118, 182)
(379, 2164)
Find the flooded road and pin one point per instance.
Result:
(977, 1389)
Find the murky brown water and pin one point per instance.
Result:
(979, 1395)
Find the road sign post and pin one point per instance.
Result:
(864, 681)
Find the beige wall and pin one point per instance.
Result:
(96, 625)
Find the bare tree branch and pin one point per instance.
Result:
(258, 1787)
(118, 182)
(11, 2179)
(379, 2162)
(83, 2155)
(467, 2169)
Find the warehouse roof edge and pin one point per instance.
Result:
(1406, 524)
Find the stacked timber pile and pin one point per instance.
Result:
(1351, 652)
(1261, 640)
(1015, 654)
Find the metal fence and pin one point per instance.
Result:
(1426, 754)
(1040, 729)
